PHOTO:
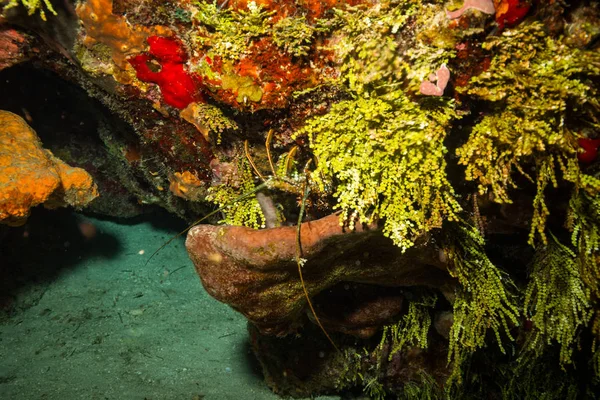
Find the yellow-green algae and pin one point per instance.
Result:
(384, 150)
(411, 330)
(387, 157)
(294, 35)
(537, 87)
(585, 224)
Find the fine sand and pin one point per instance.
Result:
(84, 318)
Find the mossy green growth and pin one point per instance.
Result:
(254, 22)
(217, 30)
(557, 300)
(213, 118)
(393, 44)
(383, 152)
(367, 46)
(240, 207)
(499, 376)
(228, 32)
(426, 389)
(483, 300)
(386, 157)
(374, 389)
(294, 35)
(33, 6)
(537, 89)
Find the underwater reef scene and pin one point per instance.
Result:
(401, 197)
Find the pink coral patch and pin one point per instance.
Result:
(485, 6)
(442, 76)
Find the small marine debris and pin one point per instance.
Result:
(87, 229)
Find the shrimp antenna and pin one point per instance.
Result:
(210, 214)
(300, 262)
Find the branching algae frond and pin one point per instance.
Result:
(209, 120)
(536, 87)
(412, 329)
(557, 300)
(540, 93)
(483, 300)
(385, 151)
(367, 46)
(585, 223)
(395, 44)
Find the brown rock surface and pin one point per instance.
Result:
(13, 47)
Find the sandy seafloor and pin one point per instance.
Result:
(88, 320)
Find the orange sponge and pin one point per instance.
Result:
(31, 175)
(187, 185)
(123, 39)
